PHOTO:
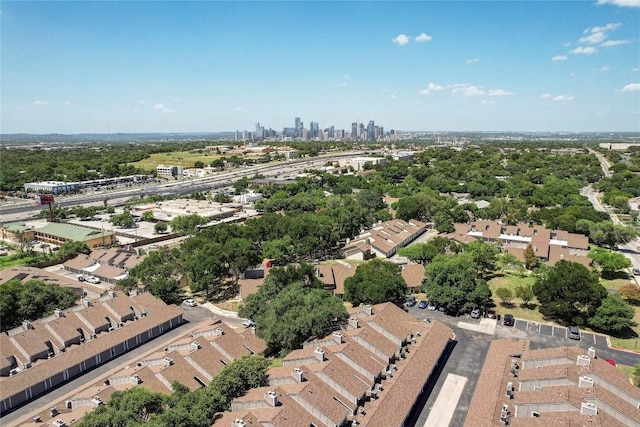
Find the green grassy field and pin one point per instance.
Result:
(174, 158)
(531, 313)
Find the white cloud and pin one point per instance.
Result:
(418, 102)
(472, 60)
(162, 108)
(593, 38)
(604, 69)
(423, 37)
(343, 84)
(392, 96)
(142, 102)
(610, 43)
(566, 44)
(67, 102)
(431, 88)
(239, 109)
(609, 27)
(635, 70)
(401, 39)
(572, 74)
(467, 90)
(546, 95)
(621, 3)
(559, 58)
(584, 50)
(488, 102)
(499, 92)
(631, 87)
(40, 102)
(563, 98)
(346, 76)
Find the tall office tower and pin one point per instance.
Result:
(340, 134)
(360, 130)
(259, 132)
(244, 135)
(354, 130)
(314, 129)
(237, 135)
(371, 135)
(332, 132)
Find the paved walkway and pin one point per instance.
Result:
(447, 401)
(486, 326)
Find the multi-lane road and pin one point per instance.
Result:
(21, 209)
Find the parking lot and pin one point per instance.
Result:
(561, 332)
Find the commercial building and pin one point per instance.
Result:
(359, 163)
(58, 234)
(169, 171)
(53, 187)
(39, 356)
(564, 386)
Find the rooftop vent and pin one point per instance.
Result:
(592, 352)
(588, 409)
(337, 336)
(584, 381)
(272, 398)
(59, 313)
(509, 391)
(353, 322)
(583, 360)
(368, 309)
(298, 374)
(319, 354)
(27, 324)
(112, 293)
(238, 422)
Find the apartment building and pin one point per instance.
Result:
(39, 356)
(384, 239)
(374, 372)
(550, 246)
(563, 386)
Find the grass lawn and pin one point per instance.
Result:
(516, 308)
(174, 158)
(229, 305)
(511, 281)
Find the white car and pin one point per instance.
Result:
(190, 303)
(248, 323)
(93, 279)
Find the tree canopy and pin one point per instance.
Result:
(375, 282)
(613, 316)
(569, 292)
(31, 300)
(453, 282)
(609, 262)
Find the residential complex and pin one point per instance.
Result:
(550, 246)
(562, 386)
(384, 239)
(41, 355)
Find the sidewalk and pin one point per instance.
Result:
(220, 312)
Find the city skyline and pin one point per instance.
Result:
(96, 67)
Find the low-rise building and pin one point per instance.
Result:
(384, 239)
(550, 246)
(563, 386)
(39, 356)
(57, 234)
(377, 371)
(169, 171)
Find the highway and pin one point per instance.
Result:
(23, 209)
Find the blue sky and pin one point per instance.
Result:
(75, 67)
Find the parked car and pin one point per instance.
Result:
(442, 309)
(422, 304)
(190, 303)
(248, 323)
(431, 307)
(411, 301)
(574, 333)
(636, 271)
(508, 320)
(93, 279)
(475, 313)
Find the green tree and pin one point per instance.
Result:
(530, 259)
(375, 282)
(525, 293)
(570, 293)
(505, 294)
(160, 274)
(124, 219)
(160, 227)
(72, 248)
(222, 198)
(453, 281)
(147, 216)
(187, 224)
(609, 262)
(31, 300)
(484, 255)
(109, 210)
(613, 316)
